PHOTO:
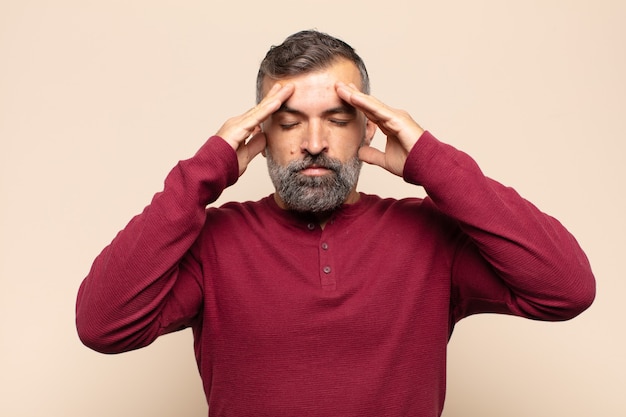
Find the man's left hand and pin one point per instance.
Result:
(401, 130)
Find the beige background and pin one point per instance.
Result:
(99, 99)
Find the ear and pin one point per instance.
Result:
(370, 131)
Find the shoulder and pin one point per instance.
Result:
(409, 205)
(409, 213)
(240, 210)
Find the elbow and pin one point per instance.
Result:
(574, 298)
(97, 332)
(95, 341)
(101, 340)
(105, 328)
(561, 300)
(95, 325)
(582, 298)
(94, 336)
(579, 285)
(582, 291)
(90, 329)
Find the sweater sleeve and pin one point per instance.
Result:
(144, 283)
(513, 258)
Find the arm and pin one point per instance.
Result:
(125, 301)
(516, 259)
(145, 283)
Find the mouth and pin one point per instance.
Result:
(315, 170)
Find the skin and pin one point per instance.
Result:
(315, 120)
(322, 111)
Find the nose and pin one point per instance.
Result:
(315, 141)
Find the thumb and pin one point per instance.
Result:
(372, 156)
(251, 149)
(256, 145)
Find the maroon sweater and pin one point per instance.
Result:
(351, 320)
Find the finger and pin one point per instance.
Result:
(372, 156)
(237, 129)
(272, 101)
(246, 153)
(256, 145)
(374, 109)
(363, 101)
(392, 122)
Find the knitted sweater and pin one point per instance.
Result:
(290, 319)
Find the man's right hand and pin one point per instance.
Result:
(237, 130)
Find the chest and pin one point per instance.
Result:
(297, 287)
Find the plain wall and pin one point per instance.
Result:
(98, 100)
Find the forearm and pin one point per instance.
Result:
(120, 302)
(539, 261)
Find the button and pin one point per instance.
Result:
(325, 246)
(326, 269)
(311, 226)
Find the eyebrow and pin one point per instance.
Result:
(342, 109)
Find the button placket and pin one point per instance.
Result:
(328, 277)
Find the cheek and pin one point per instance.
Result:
(350, 140)
(281, 147)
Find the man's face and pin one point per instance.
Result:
(313, 140)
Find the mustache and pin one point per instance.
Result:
(319, 160)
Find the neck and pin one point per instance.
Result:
(321, 217)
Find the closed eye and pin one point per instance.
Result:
(339, 122)
(287, 126)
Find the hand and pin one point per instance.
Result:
(237, 130)
(401, 130)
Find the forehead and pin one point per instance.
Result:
(319, 83)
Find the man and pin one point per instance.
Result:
(319, 300)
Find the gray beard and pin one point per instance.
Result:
(317, 194)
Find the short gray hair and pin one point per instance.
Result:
(304, 52)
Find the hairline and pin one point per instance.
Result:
(261, 78)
